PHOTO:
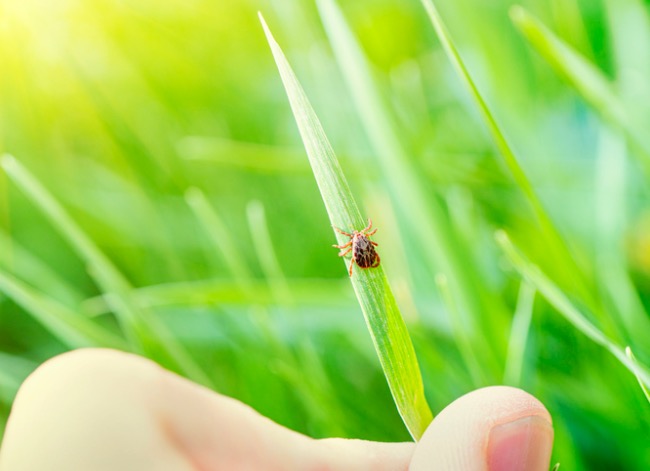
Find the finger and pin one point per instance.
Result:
(89, 410)
(221, 433)
(497, 428)
(102, 409)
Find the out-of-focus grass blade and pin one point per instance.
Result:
(144, 332)
(266, 253)
(216, 229)
(246, 289)
(305, 292)
(587, 79)
(13, 371)
(644, 388)
(387, 328)
(611, 184)
(106, 274)
(556, 246)
(564, 306)
(463, 341)
(23, 264)
(502, 144)
(441, 248)
(251, 156)
(244, 155)
(519, 335)
(70, 328)
(581, 73)
(629, 44)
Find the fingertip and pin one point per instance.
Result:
(494, 428)
(344, 454)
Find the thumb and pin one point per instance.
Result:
(496, 429)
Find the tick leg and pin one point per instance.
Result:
(342, 232)
(375, 263)
(371, 233)
(343, 253)
(373, 243)
(343, 246)
(351, 265)
(368, 227)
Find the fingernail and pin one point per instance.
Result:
(523, 444)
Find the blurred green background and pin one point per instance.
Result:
(162, 130)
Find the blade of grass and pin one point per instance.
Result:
(590, 82)
(101, 267)
(305, 292)
(644, 388)
(19, 261)
(248, 156)
(463, 341)
(586, 78)
(266, 253)
(225, 243)
(385, 323)
(400, 276)
(286, 362)
(628, 28)
(144, 332)
(220, 237)
(610, 187)
(70, 328)
(519, 335)
(502, 144)
(13, 371)
(557, 248)
(569, 20)
(424, 216)
(563, 305)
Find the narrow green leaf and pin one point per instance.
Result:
(611, 185)
(220, 236)
(502, 144)
(266, 253)
(582, 74)
(107, 275)
(564, 306)
(644, 388)
(556, 245)
(144, 332)
(425, 218)
(586, 78)
(246, 286)
(384, 321)
(519, 335)
(13, 371)
(247, 155)
(72, 329)
(463, 341)
(23, 264)
(305, 292)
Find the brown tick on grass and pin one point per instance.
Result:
(362, 248)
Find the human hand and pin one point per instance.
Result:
(95, 410)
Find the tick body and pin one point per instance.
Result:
(362, 248)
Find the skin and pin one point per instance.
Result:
(98, 410)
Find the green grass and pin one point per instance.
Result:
(159, 200)
(385, 323)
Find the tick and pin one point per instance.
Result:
(362, 248)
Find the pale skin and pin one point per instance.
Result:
(96, 410)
